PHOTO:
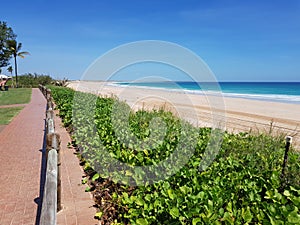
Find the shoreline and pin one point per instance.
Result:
(232, 114)
(280, 98)
(257, 97)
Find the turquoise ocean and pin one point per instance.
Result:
(287, 92)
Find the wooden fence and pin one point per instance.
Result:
(52, 189)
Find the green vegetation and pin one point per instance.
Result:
(9, 48)
(241, 186)
(14, 49)
(6, 33)
(31, 80)
(7, 114)
(15, 96)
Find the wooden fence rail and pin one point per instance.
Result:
(49, 206)
(52, 189)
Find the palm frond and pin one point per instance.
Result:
(22, 54)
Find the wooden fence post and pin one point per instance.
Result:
(287, 147)
(288, 140)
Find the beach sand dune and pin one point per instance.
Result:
(232, 114)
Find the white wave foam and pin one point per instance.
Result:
(264, 97)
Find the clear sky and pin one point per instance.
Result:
(239, 40)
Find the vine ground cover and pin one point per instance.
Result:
(242, 185)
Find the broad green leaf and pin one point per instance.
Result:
(228, 217)
(88, 189)
(84, 181)
(98, 215)
(128, 173)
(229, 207)
(294, 217)
(210, 204)
(95, 177)
(114, 195)
(148, 197)
(286, 193)
(141, 221)
(196, 220)
(170, 194)
(139, 201)
(247, 215)
(174, 212)
(294, 189)
(125, 194)
(275, 222)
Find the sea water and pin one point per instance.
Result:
(288, 92)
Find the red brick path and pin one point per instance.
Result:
(20, 163)
(21, 143)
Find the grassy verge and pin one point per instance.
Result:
(15, 96)
(7, 114)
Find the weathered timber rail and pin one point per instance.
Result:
(52, 189)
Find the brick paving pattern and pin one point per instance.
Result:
(21, 144)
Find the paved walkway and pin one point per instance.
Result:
(20, 157)
(21, 144)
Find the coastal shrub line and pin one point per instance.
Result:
(30, 80)
(241, 186)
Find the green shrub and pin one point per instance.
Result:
(31, 80)
(241, 186)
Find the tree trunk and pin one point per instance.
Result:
(16, 71)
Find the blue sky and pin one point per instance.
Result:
(239, 40)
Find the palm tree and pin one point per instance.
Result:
(14, 49)
(10, 69)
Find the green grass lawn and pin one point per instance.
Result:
(7, 114)
(15, 96)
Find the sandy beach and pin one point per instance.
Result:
(232, 114)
